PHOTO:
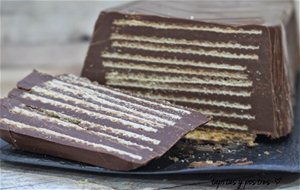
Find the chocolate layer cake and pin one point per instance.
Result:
(70, 117)
(232, 60)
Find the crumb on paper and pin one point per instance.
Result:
(251, 144)
(207, 163)
(244, 163)
(279, 151)
(266, 152)
(241, 160)
(174, 159)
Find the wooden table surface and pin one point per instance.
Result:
(53, 38)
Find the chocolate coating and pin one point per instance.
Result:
(70, 117)
(272, 74)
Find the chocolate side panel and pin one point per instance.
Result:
(93, 68)
(291, 36)
(259, 73)
(58, 150)
(283, 73)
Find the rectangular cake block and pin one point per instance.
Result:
(70, 117)
(232, 60)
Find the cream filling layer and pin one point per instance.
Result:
(119, 102)
(102, 127)
(96, 115)
(164, 69)
(210, 102)
(178, 88)
(175, 41)
(177, 79)
(162, 48)
(90, 95)
(225, 125)
(190, 27)
(100, 108)
(226, 114)
(173, 61)
(41, 117)
(85, 82)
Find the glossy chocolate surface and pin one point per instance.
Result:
(265, 32)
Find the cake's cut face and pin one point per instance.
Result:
(232, 65)
(70, 117)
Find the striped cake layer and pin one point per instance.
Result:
(72, 111)
(204, 69)
(233, 60)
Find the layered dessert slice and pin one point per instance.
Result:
(70, 117)
(232, 60)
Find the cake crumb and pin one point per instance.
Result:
(241, 160)
(174, 159)
(207, 163)
(251, 144)
(279, 151)
(244, 163)
(266, 152)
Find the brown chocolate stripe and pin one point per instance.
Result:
(195, 27)
(177, 79)
(121, 95)
(233, 51)
(165, 111)
(159, 61)
(219, 97)
(184, 42)
(43, 124)
(179, 84)
(179, 56)
(101, 114)
(189, 35)
(92, 100)
(224, 54)
(82, 116)
(164, 70)
(236, 92)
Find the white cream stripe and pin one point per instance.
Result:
(89, 84)
(105, 128)
(92, 95)
(175, 41)
(164, 69)
(158, 122)
(177, 79)
(179, 88)
(32, 114)
(225, 125)
(190, 27)
(203, 101)
(226, 114)
(15, 124)
(87, 104)
(87, 112)
(162, 48)
(161, 60)
(117, 101)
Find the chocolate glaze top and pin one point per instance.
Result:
(235, 12)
